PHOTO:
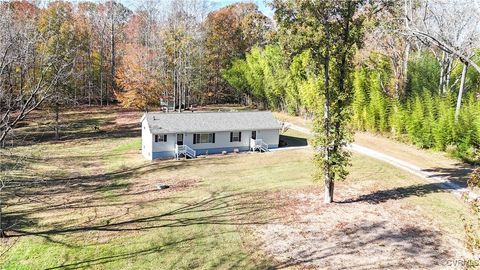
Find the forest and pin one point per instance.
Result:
(63, 54)
(413, 74)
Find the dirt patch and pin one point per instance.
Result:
(128, 117)
(355, 235)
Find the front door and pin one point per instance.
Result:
(254, 135)
(180, 139)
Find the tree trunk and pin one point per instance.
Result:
(2, 231)
(101, 74)
(460, 91)
(112, 49)
(446, 83)
(326, 121)
(329, 187)
(440, 84)
(405, 70)
(174, 90)
(57, 110)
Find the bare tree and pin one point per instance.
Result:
(386, 37)
(450, 26)
(28, 72)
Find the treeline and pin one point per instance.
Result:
(97, 53)
(424, 115)
(162, 49)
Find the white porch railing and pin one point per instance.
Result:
(258, 144)
(184, 150)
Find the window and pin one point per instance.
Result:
(235, 136)
(160, 137)
(204, 138)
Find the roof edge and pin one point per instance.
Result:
(205, 112)
(143, 117)
(210, 131)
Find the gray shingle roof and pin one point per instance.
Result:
(210, 121)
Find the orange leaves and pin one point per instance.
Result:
(138, 82)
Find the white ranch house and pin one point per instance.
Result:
(189, 134)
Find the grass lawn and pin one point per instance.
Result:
(89, 201)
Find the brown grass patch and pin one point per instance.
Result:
(354, 235)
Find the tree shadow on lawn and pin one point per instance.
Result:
(87, 191)
(231, 209)
(458, 175)
(90, 187)
(123, 256)
(37, 189)
(45, 135)
(83, 126)
(399, 193)
(220, 208)
(11, 162)
(233, 259)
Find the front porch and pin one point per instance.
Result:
(258, 145)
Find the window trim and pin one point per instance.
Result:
(237, 138)
(158, 138)
(197, 138)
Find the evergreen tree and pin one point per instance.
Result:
(424, 73)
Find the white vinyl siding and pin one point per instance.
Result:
(147, 139)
